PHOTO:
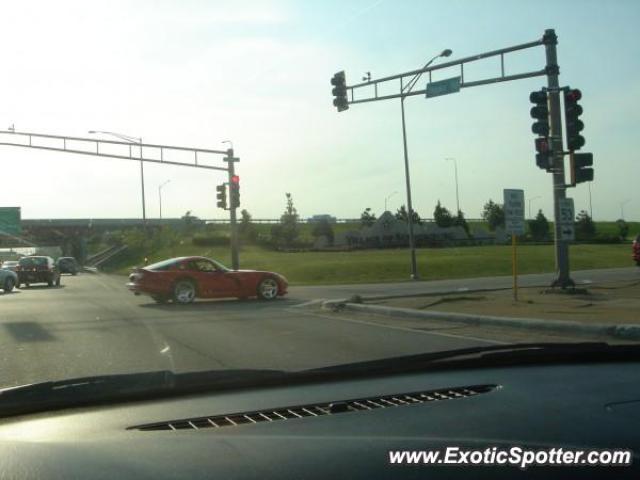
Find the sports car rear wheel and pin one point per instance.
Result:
(184, 292)
(268, 289)
(8, 285)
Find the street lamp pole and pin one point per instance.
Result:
(408, 88)
(531, 200)
(138, 140)
(622, 204)
(455, 169)
(387, 198)
(160, 195)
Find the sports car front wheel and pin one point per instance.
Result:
(184, 292)
(268, 289)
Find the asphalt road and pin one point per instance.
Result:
(92, 325)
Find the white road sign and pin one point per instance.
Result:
(566, 219)
(514, 211)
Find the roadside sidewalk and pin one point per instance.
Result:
(608, 309)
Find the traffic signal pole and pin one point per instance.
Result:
(235, 262)
(550, 40)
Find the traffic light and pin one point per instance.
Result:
(543, 153)
(540, 112)
(580, 171)
(339, 91)
(573, 124)
(222, 196)
(234, 192)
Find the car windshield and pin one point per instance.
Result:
(380, 179)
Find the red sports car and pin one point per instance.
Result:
(186, 278)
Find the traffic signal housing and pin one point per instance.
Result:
(580, 164)
(573, 124)
(543, 153)
(540, 113)
(339, 91)
(234, 192)
(221, 194)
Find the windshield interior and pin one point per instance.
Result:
(381, 179)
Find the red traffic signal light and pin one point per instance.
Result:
(235, 179)
(543, 155)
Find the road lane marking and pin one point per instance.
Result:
(406, 329)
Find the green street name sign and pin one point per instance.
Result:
(443, 87)
(10, 221)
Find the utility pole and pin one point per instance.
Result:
(550, 40)
(144, 208)
(160, 196)
(235, 263)
(455, 171)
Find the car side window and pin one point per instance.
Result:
(205, 266)
(190, 266)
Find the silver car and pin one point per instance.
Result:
(8, 279)
(10, 265)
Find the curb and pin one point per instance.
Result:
(625, 331)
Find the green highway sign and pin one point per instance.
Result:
(10, 221)
(443, 87)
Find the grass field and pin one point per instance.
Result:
(370, 266)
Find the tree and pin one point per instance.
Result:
(287, 231)
(585, 228)
(189, 221)
(442, 216)
(460, 221)
(493, 214)
(403, 215)
(367, 218)
(539, 227)
(247, 228)
(623, 228)
(323, 228)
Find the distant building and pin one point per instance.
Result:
(388, 231)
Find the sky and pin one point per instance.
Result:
(196, 73)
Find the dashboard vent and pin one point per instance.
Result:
(316, 410)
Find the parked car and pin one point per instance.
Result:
(635, 248)
(186, 278)
(9, 265)
(37, 269)
(8, 279)
(67, 265)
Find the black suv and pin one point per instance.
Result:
(37, 269)
(67, 265)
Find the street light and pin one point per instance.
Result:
(406, 90)
(160, 195)
(455, 167)
(531, 200)
(622, 204)
(387, 198)
(130, 139)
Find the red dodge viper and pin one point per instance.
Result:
(186, 278)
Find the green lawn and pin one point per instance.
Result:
(370, 266)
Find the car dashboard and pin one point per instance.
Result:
(340, 429)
